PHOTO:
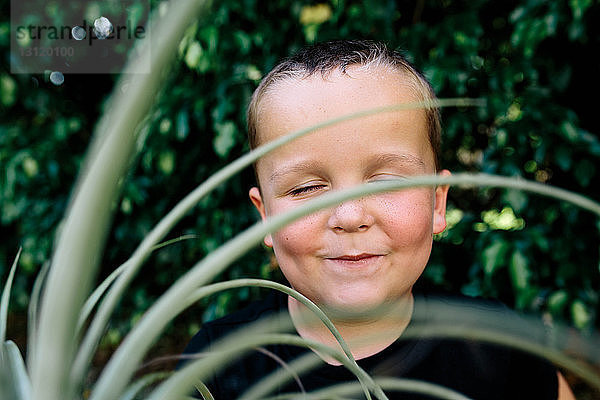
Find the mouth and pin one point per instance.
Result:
(361, 261)
(357, 257)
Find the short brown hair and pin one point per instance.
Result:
(326, 57)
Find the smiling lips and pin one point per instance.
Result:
(357, 257)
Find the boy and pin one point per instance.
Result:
(365, 253)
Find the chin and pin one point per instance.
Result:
(353, 309)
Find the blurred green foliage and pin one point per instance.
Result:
(529, 59)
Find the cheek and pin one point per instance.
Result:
(292, 239)
(407, 216)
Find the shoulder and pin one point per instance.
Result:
(475, 319)
(232, 380)
(490, 340)
(458, 310)
(272, 303)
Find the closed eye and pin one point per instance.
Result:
(305, 190)
(386, 177)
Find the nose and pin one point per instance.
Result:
(351, 216)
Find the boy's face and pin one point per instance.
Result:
(367, 251)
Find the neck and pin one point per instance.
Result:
(365, 336)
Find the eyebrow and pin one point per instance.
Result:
(293, 168)
(393, 158)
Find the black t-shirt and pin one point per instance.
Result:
(476, 369)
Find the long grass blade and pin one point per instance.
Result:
(6, 298)
(14, 381)
(33, 312)
(97, 294)
(249, 282)
(204, 391)
(284, 366)
(276, 379)
(142, 383)
(75, 260)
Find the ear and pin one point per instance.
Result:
(256, 199)
(439, 208)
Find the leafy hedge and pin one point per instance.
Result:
(528, 59)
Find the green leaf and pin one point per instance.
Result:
(182, 125)
(519, 271)
(193, 55)
(30, 166)
(578, 7)
(569, 131)
(517, 199)
(493, 257)
(563, 158)
(166, 162)
(580, 314)
(557, 301)
(517, 14)
(225, 139)
(584, 172)
(243, 41)
(8, 90)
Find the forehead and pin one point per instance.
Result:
(297, 103)
(334, 95)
